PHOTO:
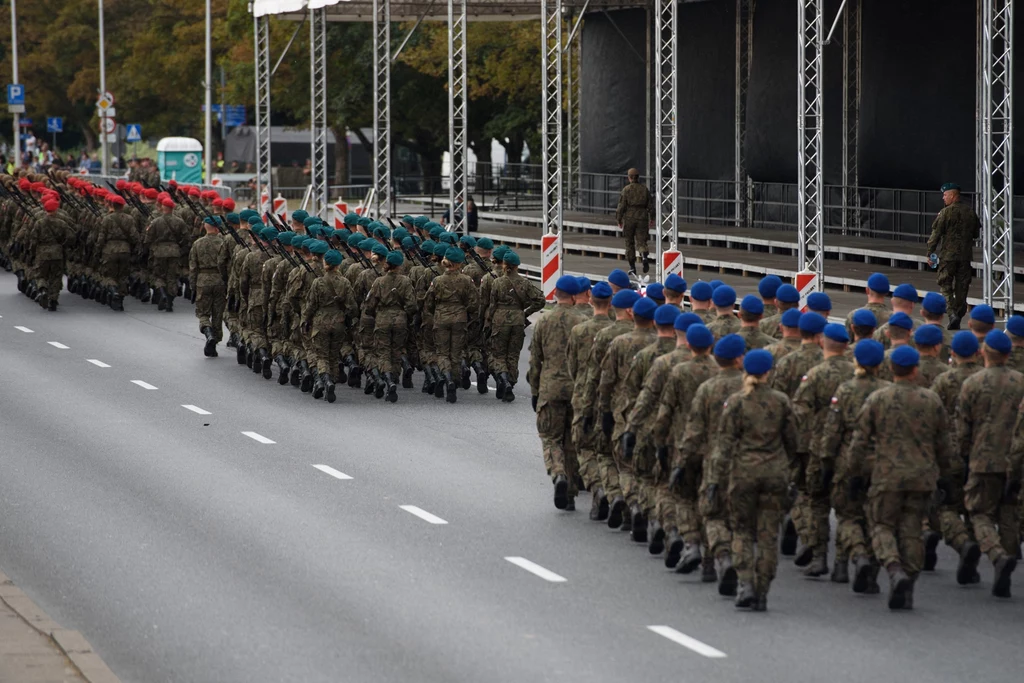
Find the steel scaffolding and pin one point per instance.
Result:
(261, 36)
(572, 100)
(457, 113)
(318, 110)
(551, 115)
(810, 185)
(997, 152)
(744, 57)
(666, 137)
(851, 115)
(382, 108)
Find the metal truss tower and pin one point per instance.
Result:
(810, 185)
(666, 138)
(382, 108)
(573, 80)
(851, 115)
(261, 35)
(744, 57)
(457, 113)
(319, 199)
(551, 114)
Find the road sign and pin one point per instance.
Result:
(105, 101)
(107, 125)
(25, 123)
(54, 124)
(134, 133)
(111, 137)
(15, 98)
(109, 112)
(234, 114)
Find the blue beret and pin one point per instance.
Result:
(905, 356)
(1015, 325)
(787, 294)
(869, 353)
(758, 362)
(644, 308)
(983, 313)
(928, 335)
(319, 248)
(768, 285)
(934, 303)
(723, 296)
(584, 283)
(751, 304)
(730, 346)
(964, 344)
(812, 322)
(791, 318)
(699, 336)
(907, 292)
(684, 321)
(998, 341)
(655, 290)
(715, 284)
(666, 314)
(299, 215)
(837, 333)
(862, 317)
(619, 278)
(512, 258)
(568, 284)
(380, 250)
(901, 319)
(395, 258)
(485, 243)
(701, 292)
(819, 301)
(878, 283)
(455, 255)
(675, 283)
(946, 187)
(624, 298)
(332, 257)
(600, 291)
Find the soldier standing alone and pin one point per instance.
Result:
(953, 233)
(635, 215)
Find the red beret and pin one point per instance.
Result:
(164, 194)
(121, 183)
(98, 192)
(151, 193)
(116, 200)
(229, 204)
(194, 192)
(51, 206)
(218, 202)
(168, 202)
(210, 194)
(172, 183)
(24, 183)
(136, 187)
(38, 187)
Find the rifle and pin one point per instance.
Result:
(290, 259)
(76, 203)
(358, 257)
(416, 254)
(131, 199)
(480, 262)
(16, 198)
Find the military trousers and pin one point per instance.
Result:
(450, 345)
(625, 482)
(256, 326)
(390, 338)
(815, 510)
(585, 445)
(852, 529)
(954, 281)
(164, 273)
(210, 302)
(504, 348)
(554, 425)
(755, 513)
(634, 232)
(50, 276)
(895, 518)
(114, 269)
(996, 520)
(326, 340)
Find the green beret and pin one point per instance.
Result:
(254, 220)
(408, 219)
(367, 244)
(455, 255)
(416, 239)
(428, 246)
(468, 240)
(342, 234)
(399, 234)
(245, 213)
(319, 248)
(303, 242)
(309, 220)
(407, 243)
(313, 230)
(332, 257)
(210, 220)
(351, 219)
(363, 221)
(269, 234)
(286, 237)
(512, 258)
(950, 186)
(420, 221)
(440, 249)
(485, 243)
(232, 218)
(355, 239)
(379, 249)
(327, 231)
(499, 252)
(395, 258)
(299, 215)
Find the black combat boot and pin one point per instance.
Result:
(787, 546)
(439, 382)
(73, 285)
(295, 376)
(240, 353)
(561, 491)
(481, 377)
(257, 361)
(931, 544)
(509, 395)
(615, 513)
(380, 385)
(211, 342)
(145, 294)
(675, 548)
(39, 296)
(169, 303)
(329, 391)
(355, 377)
(761, 604)
(343, 366)
(646, 262)
(863, 571)
(318, 387)
(391, 390)
(899, 584)
(746, 597)
(499, 383)
(968, 565)
(232, 340)
(85, 288)
(726, 575)
(599, 506)
(841, 569)
(51, 305)
(817, 567)
(428, 382)
(466, 376)
(30, 290)
(656, 534)
(1003, 568)
(283, 368)
(248, 356)
(186, 290)
(639, 531)
(306, 381)
(691, 558)
(804, 555)
(707, 570)
(451, 387)
(407, 370)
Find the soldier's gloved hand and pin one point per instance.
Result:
(712, 495)
(533, 402)
(607, 424)
(945, 491)
(828, 471)
(675, 479)
(663, 457)
(1012, 489)
(792, 491)
(628, 445)
(856, 485)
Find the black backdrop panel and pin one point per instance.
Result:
(612, 93)
(917, 100)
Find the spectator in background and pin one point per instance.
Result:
(472, 215)
(83, 162)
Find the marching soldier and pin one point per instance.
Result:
(635, 216)
(208, 262)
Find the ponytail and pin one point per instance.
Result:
(751, 381)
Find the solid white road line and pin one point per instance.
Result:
(536, 569)
(258, 437)
(58, 345)
(422, 514)
(97, 363)
(144, 385)
(687, 642)
(197, 410)
(327, 469)
(23, 329)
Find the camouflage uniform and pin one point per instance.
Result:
(329, 304)
(250, 284)
(116, 238)
(453, 301)
(880, 311)
(48, 236)
(512, 299)
(755, 338)
(953, 233)
(391, 302)
(166, 238)
(207, 276)
(635, 213)
(783, 347)
(724, 324)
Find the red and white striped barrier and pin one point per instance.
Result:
(671, 262)
(550, 263)
(806, 282)
(340, 209)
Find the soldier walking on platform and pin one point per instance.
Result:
(635, 215)
(952, 241)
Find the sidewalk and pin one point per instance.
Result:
(35, 649)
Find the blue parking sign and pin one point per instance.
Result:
(15, 94)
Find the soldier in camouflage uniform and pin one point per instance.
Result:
(116, 238)
(166, 237)
(904, 298)
(452, 300)
(512, 300)
(391, 302)
(933, 310)
(811, 404)
(726, 322)
(987, 408)
(751, 312)
(902, 438)
(277, 285)
(756, 450)
(700, 302)
(48, 237)
(208, 261)
(635, 216)
(250, 284)
(789, 323)
(877, 290)
(329, 310)
(897, 332)
(1015, 331)
(849, 482)
(551, 389)
(928, 340)
(767, 288)
(952, 240)
(786, 298)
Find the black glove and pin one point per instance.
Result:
(1012, 488)
(856, 485)
(663, 457)
(527, 323)
(828, 471)
(607, 424)
(193, 297)
(588, 424)
(712, 495)
(628, 444)
(945, 491)
(533, 402)
(675, 479)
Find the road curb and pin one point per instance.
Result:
(71, 643)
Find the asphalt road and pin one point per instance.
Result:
(186, 550)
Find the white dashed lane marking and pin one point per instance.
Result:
(258, 437)
(196, 409)
(144, 385)
(327, 469)
(422, 514)
(687, 642)
(97, 363)
(23, 329)
(537, 570)
(58, 345)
